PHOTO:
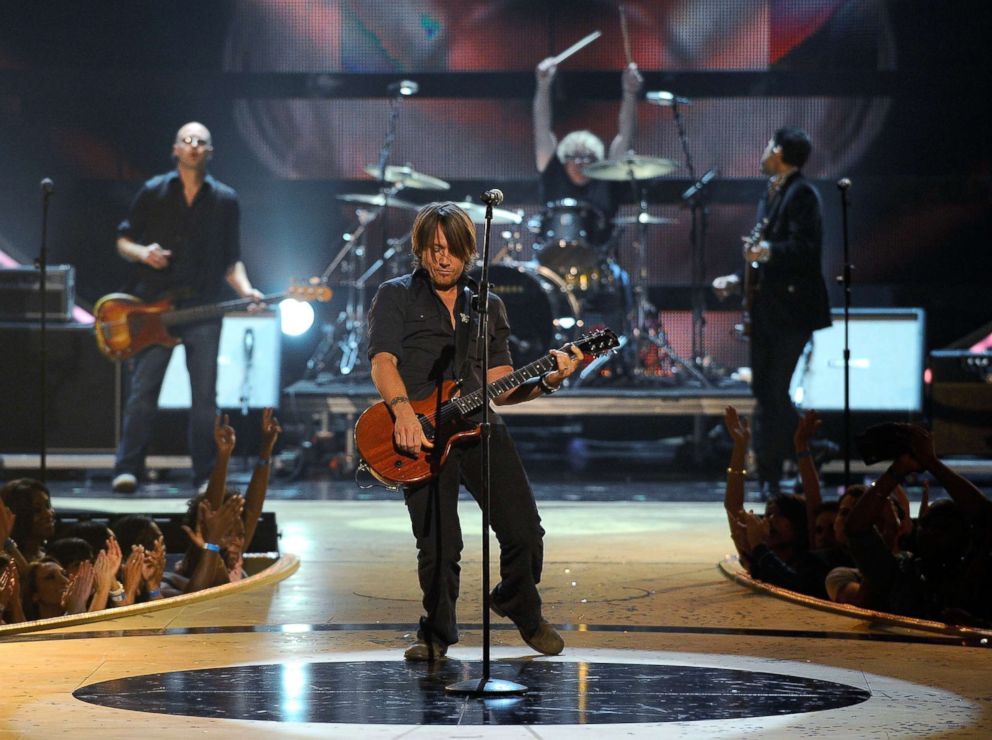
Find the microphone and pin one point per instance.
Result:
(843, 184)
(47, 186)
(492, 197)
(666, 99)
(405, 88)
(701, 183)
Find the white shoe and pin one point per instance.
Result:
(124, 483)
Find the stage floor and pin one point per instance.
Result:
(658, 642)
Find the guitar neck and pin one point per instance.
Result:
(469, 403)
(212, 311)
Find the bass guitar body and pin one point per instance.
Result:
(374, 438)
(125, 325)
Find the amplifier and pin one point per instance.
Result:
(961, 402)
(20, 297)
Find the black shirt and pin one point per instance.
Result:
(604, 195)
(409, 320)
(204, 239)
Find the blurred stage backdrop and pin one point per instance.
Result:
(295, 94)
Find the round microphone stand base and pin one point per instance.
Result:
(482, 687)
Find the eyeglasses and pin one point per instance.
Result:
(195, 141)
(581, 158)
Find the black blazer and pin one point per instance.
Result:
(791, 292)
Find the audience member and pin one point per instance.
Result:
(27, 520)
(949, 577)
(71, 552)
(192, 573)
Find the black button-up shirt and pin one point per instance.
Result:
(204, 239)
(409, 320)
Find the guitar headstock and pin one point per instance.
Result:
(598, 342)
(311, 290)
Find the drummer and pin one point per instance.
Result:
(560, 163)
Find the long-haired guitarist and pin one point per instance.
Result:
(422, 335)
(182, 237)
(786, 298)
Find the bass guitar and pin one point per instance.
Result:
(750, 276)
(125, 325)
(442, 417)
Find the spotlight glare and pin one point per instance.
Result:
(295, 317)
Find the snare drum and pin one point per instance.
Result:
(543, 313)
(567, 244)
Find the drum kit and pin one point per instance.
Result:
(572, 281)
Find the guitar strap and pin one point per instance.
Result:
(464, 326)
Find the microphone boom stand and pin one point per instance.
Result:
(485, 686)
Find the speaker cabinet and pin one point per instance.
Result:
(886, 367)
(961, 402)
(83, 390)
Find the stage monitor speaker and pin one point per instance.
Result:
(247, 366)
(83, 390)
(961, 402)
(20, 295)
(886, 368)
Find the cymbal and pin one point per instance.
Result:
(641, 168)
(645, 218)
(377, 200)
(477, 212)
(408, 177)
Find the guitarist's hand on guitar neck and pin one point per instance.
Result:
(567, 364)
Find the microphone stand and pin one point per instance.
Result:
(697, 241)
(843, 185)
(248, 351)
(47, 187)
(485, 686)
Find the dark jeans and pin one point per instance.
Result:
(774, 353)
(145, 376)
(514, 518)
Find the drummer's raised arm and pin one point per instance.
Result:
(545, 142)
(627, 124)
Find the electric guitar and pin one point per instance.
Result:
(125, 325)
(442, 417)
(750, 276)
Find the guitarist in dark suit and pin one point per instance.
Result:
(182, 237)
(788, 301)
(422, 333)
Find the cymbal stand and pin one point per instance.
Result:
(351, 321)
(641, 305)
(342, 339)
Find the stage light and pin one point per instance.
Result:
(295, 317)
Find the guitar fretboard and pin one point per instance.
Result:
(201, 313)
(469, 403)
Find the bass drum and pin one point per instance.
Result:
(543, 313)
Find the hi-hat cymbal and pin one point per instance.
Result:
(477, 212)
(644, 218)
(408, 177)
(378, 200)
(633, 165)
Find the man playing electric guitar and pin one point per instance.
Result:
(423, 332)
(182, 236)
(788, 298)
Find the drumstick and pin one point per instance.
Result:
(577, 46)
(626, 35)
